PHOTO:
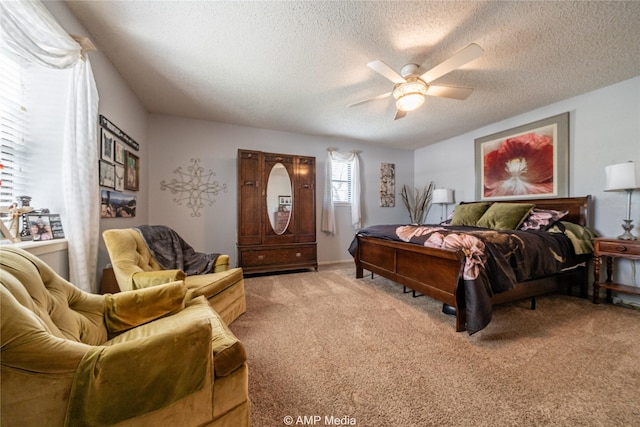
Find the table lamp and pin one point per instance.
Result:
(624, 177)
(443, 196)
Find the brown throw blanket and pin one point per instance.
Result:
(173, 253)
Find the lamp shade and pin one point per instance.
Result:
(623, 176)
(442, 195)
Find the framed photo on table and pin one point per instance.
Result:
(529, 161)
(40, 227)
(132, 171)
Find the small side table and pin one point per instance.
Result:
(612, 248)
(109, 284)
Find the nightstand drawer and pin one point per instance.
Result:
(618, 247)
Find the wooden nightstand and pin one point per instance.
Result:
(612, 248)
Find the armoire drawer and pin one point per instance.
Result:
(277, 256)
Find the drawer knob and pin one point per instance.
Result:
(621, 248)
(298, 254)
(260, 256)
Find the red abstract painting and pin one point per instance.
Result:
(520, 165)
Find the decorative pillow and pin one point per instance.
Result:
(505, 216)
(449, 218)
(469, 213)
(542, 219)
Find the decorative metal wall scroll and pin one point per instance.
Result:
(194, 187)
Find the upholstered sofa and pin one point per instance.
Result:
(135, 268)
(149, 357)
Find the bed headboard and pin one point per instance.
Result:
(579, 207)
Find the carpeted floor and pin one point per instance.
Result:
(325, 348)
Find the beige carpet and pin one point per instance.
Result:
(324, 344)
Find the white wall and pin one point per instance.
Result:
(175, 141)
(604, 129)
(120, 105)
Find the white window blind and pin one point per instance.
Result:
(12, 129)
(341, 180)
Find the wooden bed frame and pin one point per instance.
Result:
(437, 273)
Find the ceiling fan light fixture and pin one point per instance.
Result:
(410, 95)
(410, 102)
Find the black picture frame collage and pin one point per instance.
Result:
(118, 166)
(119, 170)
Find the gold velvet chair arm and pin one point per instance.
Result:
(126, 310)
(140, 375)
(223, 263)
(145, 279)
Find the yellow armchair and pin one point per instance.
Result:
(136, 358)
(135, 267)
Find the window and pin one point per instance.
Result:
(341, 176)
(342, 188)
(32, 120)
(12, 128)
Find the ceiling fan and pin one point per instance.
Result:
(410, 88)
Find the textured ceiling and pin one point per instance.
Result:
(294, 66)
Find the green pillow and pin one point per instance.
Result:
(469, 213)
(505, 216)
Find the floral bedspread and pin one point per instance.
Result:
(495, 260)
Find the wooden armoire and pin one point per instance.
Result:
(276, 212)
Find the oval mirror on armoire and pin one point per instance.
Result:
(279, 198)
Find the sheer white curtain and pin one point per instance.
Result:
(328, 223)
(28, 28)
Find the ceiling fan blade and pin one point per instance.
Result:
(386, 71)
(399, 114)
(450, 92)
(464, 56)
(384, 95)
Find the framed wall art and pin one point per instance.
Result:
(107, 174)
(132, 171)
(114, 204)
(119, 178)
(528, 161)
(118, 155)
(387, 185)
(107, 145)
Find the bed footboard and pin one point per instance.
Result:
(437, 273)
(432, 272)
